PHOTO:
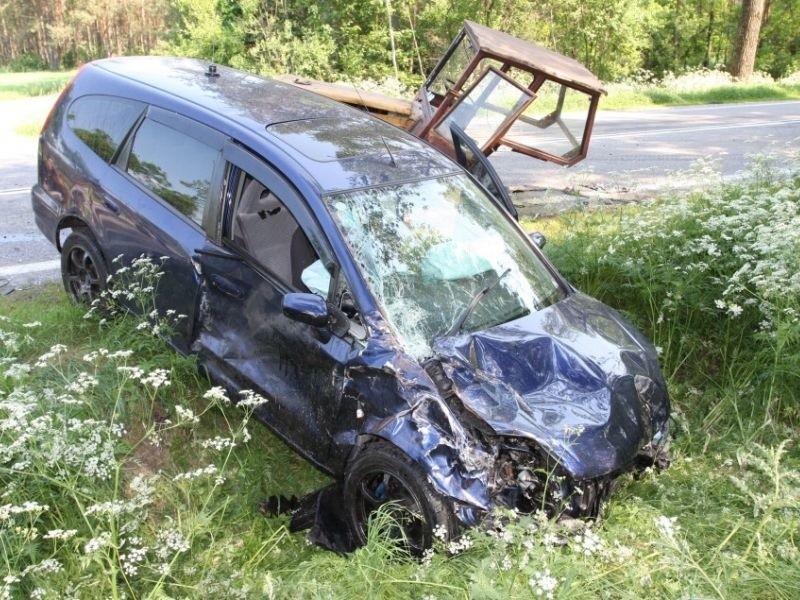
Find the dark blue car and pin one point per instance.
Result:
(411, 340)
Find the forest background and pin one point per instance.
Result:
(376, 39)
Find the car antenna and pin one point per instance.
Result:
(364, 106)
(212, 68)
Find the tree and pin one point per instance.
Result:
(744, 51)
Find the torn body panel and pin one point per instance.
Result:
(404, 407)
(575, 378)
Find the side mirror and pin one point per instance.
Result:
(306, 308)
(538, 239)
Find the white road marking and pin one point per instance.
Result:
(11, 191)
(683, 130)
(706, 108)
(34, 267)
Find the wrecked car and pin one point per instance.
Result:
(410, 339)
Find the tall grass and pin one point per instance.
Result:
(122, 473)
(37, 83)
(699, 86)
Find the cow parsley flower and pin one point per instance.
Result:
(217, 394)
(250, 399)
(543, 584)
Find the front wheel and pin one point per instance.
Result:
(83, 269)
(381, 474)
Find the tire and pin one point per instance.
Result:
(83, 270)
(382, 473)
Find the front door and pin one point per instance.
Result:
(473, 160)
(243, 336)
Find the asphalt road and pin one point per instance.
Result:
(633, 154)
(636, 154)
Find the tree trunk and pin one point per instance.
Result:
(709, 38)
(744, 52)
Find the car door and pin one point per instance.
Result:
(164, 179)
(473, 160)
(269, 246)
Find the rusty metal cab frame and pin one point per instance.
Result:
(499, 90)
(486, 59)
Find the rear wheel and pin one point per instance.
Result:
(381, 474)
(83, 269)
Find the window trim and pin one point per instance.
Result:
(111, 98)
(237, 162)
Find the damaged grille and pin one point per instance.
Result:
(527, 480)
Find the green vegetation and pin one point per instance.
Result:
(36, 83)
(704, 87)
(399, 38)
(122, 474)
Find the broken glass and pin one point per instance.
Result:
(427, 248)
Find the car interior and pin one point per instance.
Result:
(265, 229)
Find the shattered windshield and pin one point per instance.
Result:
(428, 248)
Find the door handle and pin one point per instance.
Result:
(226, 286)
(111, 205)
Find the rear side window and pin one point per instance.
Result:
(103, 121)
(174, 166)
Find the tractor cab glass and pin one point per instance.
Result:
(503, 91)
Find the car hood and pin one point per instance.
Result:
(575, 377)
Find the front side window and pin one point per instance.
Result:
(173, 165)
(428, 248)
(102, 122)
(264, 228)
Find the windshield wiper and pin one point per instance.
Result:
(464, 314)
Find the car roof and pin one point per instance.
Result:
(339, 147)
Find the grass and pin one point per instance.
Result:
(627, 97)
(721, 522)
(37, 83)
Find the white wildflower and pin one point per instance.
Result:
(60, 534)
(250, 399)
(667, 526)
(462, 544)
(543, 584)
(440, 532)
(17, 370)
(217, 394)
(131, 372)
(156, 378)
(218, 443)
(186, 415)
(197, 473)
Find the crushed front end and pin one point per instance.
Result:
(564, 401)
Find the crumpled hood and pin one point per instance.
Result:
(575, 377)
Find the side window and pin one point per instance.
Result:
(102, 122)
(174, 166)
(264, 228)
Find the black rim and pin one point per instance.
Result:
(83, 278)
(377, 488)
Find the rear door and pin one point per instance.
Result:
(166, 175)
